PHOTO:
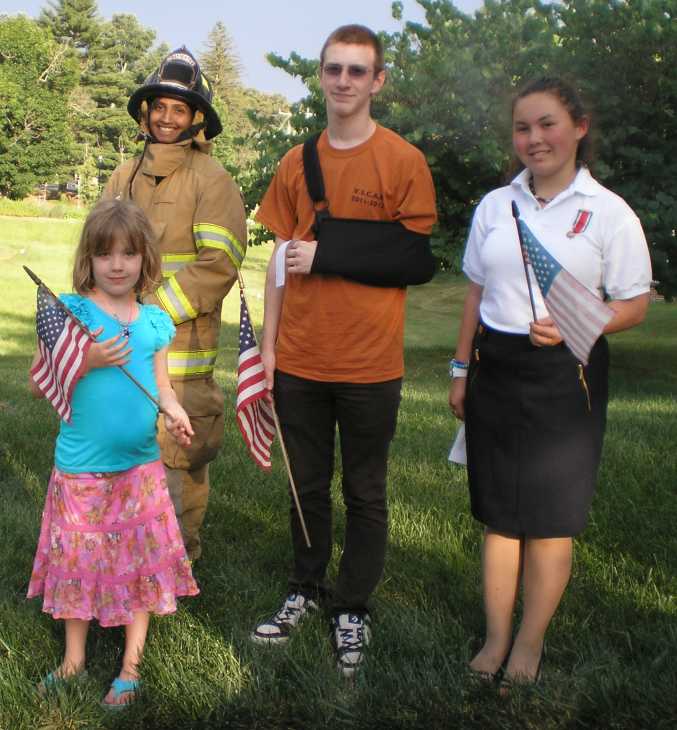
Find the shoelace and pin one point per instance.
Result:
(349, 641)
(286, 614)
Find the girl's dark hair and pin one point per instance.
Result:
(110, 221)
(571, 101)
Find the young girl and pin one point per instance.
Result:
(109, 545)
(535, 417)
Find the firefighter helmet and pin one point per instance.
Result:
(179, 76)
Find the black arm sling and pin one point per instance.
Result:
(378, 253)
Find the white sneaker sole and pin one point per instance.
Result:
(268, 640)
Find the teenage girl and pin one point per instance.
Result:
(535, 417)
(109, 545)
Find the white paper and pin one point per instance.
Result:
(458, 454)
(280, 264)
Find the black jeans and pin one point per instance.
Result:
(366, 414)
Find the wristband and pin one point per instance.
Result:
(458, 368)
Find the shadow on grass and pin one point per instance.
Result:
(611, 641)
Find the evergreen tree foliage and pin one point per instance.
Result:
(74, 21)
(236, 105)
(117, 64)
(115, 57)
(220, 62)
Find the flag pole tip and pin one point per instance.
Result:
(32, 275)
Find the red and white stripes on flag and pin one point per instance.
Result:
(254, 413)
(62, 346)
(580, 316)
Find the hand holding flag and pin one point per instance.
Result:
(579, 315)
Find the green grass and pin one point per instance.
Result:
(36, 208)
(611, 647)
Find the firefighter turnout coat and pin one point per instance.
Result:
(198, 216)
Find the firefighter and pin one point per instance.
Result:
(197, 212)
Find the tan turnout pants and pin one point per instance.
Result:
(188, 469)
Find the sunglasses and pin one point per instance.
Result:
(355, 71)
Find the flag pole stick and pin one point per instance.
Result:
(516, 215)
(85, 329)
(291, 478)
(278, 429)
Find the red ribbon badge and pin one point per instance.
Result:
(581, 222)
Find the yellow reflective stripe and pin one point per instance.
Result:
(175, 301)
(196, 362)
(212, 236)
(173, 262)
(179, 257)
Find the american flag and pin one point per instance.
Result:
(579, 315)
(254, 414)
(62, 346)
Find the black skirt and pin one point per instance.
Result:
(535, 423)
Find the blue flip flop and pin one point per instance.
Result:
(121, 687)
(53, 681)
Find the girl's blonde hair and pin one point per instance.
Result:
(110, 221)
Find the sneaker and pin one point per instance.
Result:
(276, 630)
(352, 634)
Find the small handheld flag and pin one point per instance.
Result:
(254, 415)
(62, 348)
(579, 315)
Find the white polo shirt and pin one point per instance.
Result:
(605, 248)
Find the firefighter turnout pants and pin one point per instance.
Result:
(188, 468)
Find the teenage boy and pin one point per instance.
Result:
(332, 347)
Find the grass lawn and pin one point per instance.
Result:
(611, 648)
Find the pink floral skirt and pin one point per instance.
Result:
(110, 546)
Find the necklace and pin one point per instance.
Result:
(539, 199)
(124, 325)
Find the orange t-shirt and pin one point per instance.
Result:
(331, 328)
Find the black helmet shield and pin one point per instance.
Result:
(179, 76)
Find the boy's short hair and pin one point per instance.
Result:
(359, 35)
(108, 222)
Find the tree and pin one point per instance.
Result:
(117, 64)
(279, 127)
(624, 54)
(448, 93)
(220, 62)
(36, 76)
(449, 89)
(238, 107)
(115, 57)
(74, 21)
